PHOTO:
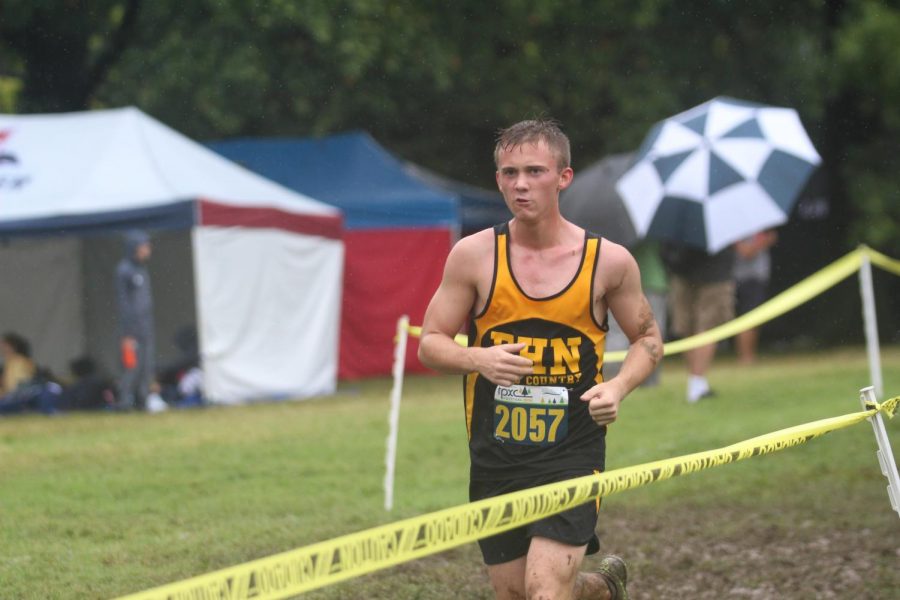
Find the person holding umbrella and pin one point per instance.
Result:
(752, 271)
(536, 291)
(701, 296)
(704, 179)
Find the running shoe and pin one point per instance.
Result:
(615, 572)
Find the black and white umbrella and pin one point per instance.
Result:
(717, 173)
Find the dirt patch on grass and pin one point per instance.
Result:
(695, 553)
(721, 552)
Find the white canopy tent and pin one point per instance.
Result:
(255, 266)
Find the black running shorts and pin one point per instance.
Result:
(575, 526)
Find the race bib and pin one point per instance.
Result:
(531, 415)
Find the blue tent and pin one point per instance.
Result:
(353, 172)
(479, 208)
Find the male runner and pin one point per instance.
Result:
(536, 291)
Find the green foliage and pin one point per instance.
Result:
(434, 81)
(868, 64)
(62, 50)
(234, 69)
(869, 61)
(10, 87)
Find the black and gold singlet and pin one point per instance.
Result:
(540, 425)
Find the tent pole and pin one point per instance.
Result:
(390, 459)
(870, 323)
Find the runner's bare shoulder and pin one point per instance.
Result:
(615, 263)
(472, 255)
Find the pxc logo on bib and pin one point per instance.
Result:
(559, 352)
(531, 415)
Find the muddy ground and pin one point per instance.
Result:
(695, 554)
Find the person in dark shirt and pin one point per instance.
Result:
(701, 296)
(135, 303)
(90, 389)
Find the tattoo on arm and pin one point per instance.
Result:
(645, 318)
(647, 322)
(652, 350)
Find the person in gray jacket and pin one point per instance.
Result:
(135, 304)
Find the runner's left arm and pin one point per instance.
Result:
(626, 301)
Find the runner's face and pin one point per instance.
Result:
(530, 180)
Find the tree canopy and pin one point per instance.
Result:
(434, 81)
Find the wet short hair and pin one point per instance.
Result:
(533, 131)
(19, 344)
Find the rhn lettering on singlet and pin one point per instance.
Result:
(556, 360)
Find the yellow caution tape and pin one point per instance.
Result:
(318, 565)
(416, 331)
(789, 299)
(888, 407)
(880, 260)
(784, 302)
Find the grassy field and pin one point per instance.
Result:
(98, 505)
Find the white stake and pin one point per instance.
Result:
(885, 455)
(870, 323)
(390, 459)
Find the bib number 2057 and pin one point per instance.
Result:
(531, 415)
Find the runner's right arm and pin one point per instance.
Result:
(447, 312)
